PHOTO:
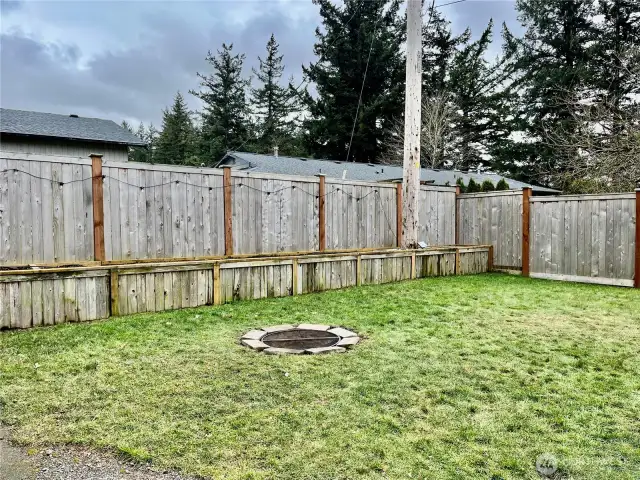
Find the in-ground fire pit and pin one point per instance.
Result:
(306, 338)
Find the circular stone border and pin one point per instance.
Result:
(346, 338)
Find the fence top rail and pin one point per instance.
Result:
(574, 198)
(272, 176)
(163, 168)
(204, 263)
(501, 193)
(44, 158)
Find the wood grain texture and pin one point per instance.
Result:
(636, 216)
(590, 236)
(228, 212)
(322, 219)
(44, 219)
(492, 218)
(71, 294)
(98, 208)
(526, 224)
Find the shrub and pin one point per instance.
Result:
(473, 187)
(487, 186)
(460, 183)
(502, 185)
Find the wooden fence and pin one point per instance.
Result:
(493, 218)
(49, 296)
(57, 210)
(583, 238)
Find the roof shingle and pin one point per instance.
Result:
(365, 172)
(21, 122)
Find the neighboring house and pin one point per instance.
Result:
(63, 135)
(368, 172)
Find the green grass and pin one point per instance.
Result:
(459, 377)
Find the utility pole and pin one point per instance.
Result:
(412, 125)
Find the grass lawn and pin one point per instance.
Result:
(458, 377)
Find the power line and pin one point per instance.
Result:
(297, 89)
(364, 78)
(449, 3)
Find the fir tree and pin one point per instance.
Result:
(552, 61)
(138, 153)
(481, 101)
(225, 119)
(176, 143)
(616, 56)
(356, 32)
(273, 104)
(440, 47)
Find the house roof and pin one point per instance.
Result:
(21, 122)
(359, 171)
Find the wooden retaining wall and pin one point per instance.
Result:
(30, 298)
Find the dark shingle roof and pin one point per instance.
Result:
(361, 171)
(21, 122)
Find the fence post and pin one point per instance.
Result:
(217, 288)
(97, 192)
(636, 277)
(398, 214)
(294, 277)
(322, 239)
(228, 226)
(526, 194)
(457, 217)
(490, 259)
(113, 293)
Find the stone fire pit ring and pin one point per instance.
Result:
(303, 339)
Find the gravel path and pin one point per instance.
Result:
(70, 463)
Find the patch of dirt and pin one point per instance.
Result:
(70, 463)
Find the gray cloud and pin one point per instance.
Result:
(128, 64)
(8, 6)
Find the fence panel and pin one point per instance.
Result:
(274, 213)
(360, 215)
(154, 211)
(46, 211)
(437, 215)
(588, 238)
(493, 219)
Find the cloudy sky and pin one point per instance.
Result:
(125, 60)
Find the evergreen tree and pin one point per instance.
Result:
(138, 153)
(440, 47)
(616, 56)
(356, 34)
(274, 105)
(473, 186)
(487, 186)
(176, 143)
(552, 64)
(502, 185)
(481, 101)
(151, 135)
(225, 119)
